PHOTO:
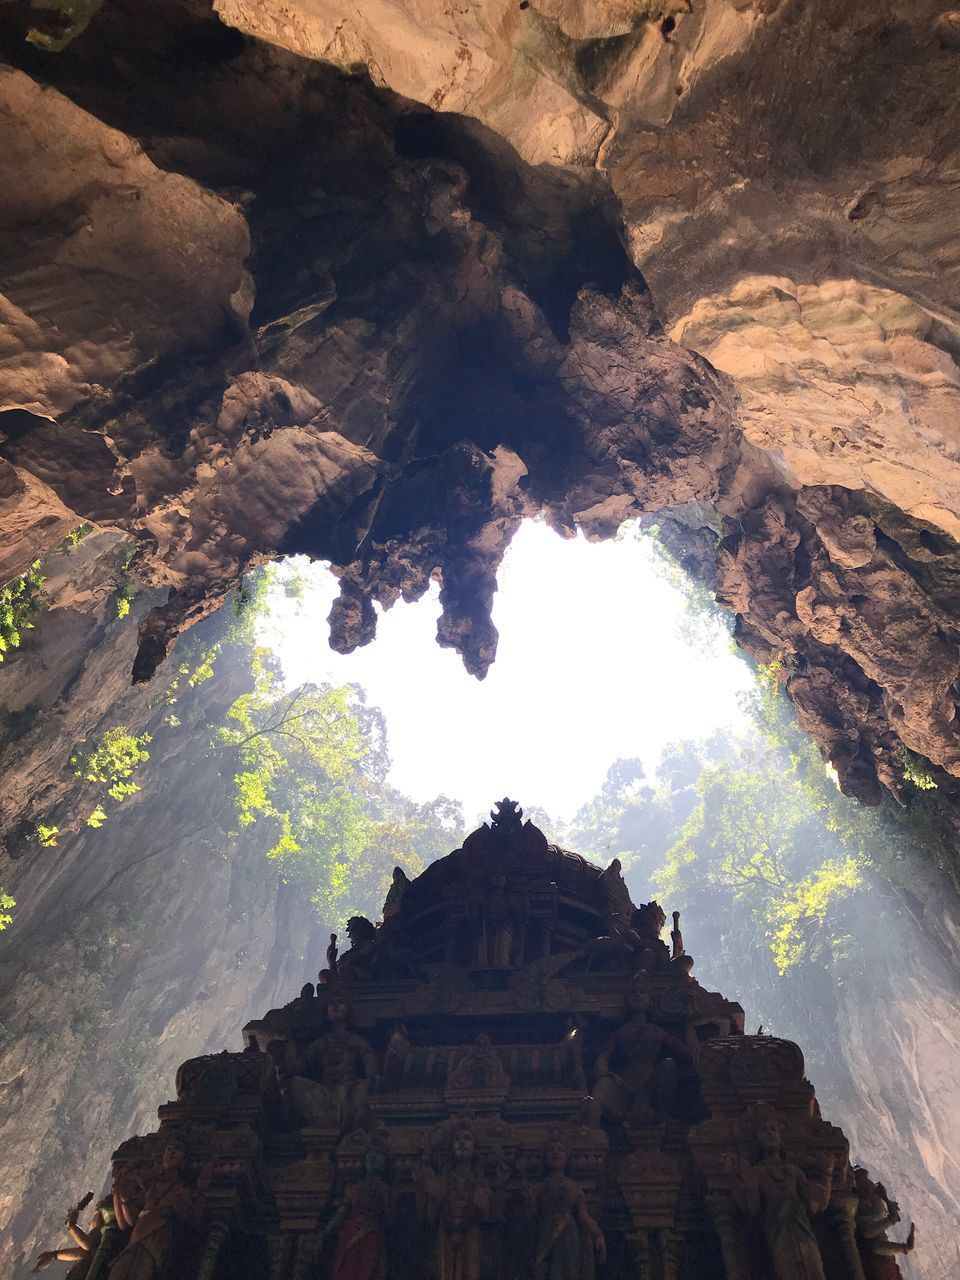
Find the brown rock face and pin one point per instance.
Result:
(264, 307)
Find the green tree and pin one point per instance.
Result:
(20, 602)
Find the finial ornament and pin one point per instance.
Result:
(506, 816)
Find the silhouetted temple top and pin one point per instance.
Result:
(510, 1076)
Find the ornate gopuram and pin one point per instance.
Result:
(511, 1077)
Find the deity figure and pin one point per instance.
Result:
(634, 1082)
(876, 1213)
(782, 1196)
(399, 884)
(569, 1241)
(85, 1242)
(329, 974)
(647, 923)
(154, 1213)
(500, 925)
(330, 1084)
(676, 938)
(361, 1220)
(457, 1203)
(363, 942)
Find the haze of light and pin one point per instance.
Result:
(591, 666)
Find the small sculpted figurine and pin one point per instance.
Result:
(329, 974)
(330, 1083)
(457, 1203)
(360, 1220)
(398, 887)
(154, 1213)
(569, 1241)
(782, 1196)
(647, 922)
(676, 938)
(876, 1214)
(85, 1243)
(634, 1082)
(501, 925)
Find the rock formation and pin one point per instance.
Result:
(273, 307)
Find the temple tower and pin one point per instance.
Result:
(511, 1077)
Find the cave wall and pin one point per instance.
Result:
(137, 944)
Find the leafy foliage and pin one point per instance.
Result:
(111, 762)
(310, 764)
(6, 905)
(20, 602)
(917, 771)
(126, 590)
(75, 537)
(303, 763)
(46, 835)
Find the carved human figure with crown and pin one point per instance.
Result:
(635, 1081)
(360, 1222)
(569, 1240)
(329, 1085)
(457, 1202)
(780, 1194)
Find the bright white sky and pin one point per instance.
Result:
(590, 667)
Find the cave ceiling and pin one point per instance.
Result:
(376, 288)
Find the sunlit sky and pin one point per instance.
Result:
(591, 666)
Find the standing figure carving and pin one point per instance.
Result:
(457, 1203)
(159, 1214)
(569, 1241)
(501, 925)
(634, 1081)
(782, 1197)
(329, 1085)
(360, 1220)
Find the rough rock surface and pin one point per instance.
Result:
(135, 945)
(273, 308)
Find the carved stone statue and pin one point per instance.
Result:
(85, 1242)
(648, 921)
(676, 938)
(569, 1241)
(360, 1220)
(154, 1211)
(500, 926)
(782, 1196)
(634, 1080)
(876, 1214)
(457, 1203)
(330, 1084)
(363, 941)
(329, 974)
(394, 899)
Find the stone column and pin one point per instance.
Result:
(282, 1268)
(219, 1230)
(306, 1256)
(843, 1219)
(724, 1220)
(670, 1247)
